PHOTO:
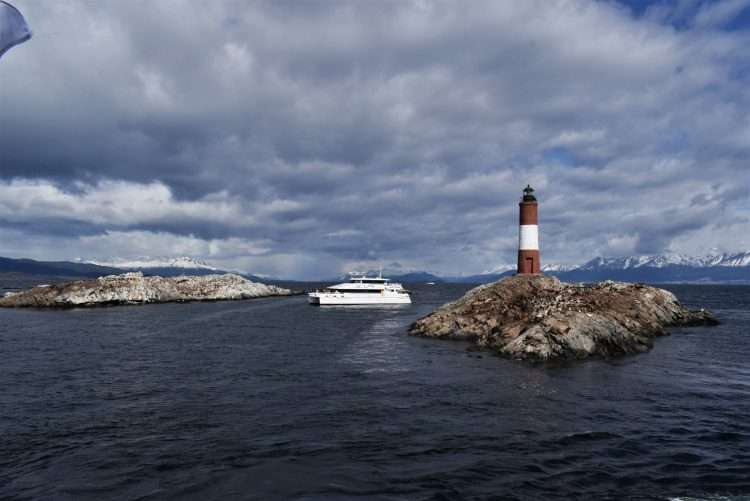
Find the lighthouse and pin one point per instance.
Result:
(528, 234)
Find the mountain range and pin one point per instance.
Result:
(660, 268)
(182, 262)
(165, 267)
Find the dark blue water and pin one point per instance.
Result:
(275, 399)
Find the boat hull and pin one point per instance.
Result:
(328, 298)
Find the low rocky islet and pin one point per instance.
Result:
(135, 288)
(540, 318)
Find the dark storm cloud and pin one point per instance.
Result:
(309, 137)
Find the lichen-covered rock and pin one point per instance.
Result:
(134, 288)
(537, 317)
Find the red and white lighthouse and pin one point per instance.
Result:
(528, 234)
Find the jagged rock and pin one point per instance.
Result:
(134, 288)
(536, 317)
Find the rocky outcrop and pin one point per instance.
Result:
(134, 288)
(536, 317)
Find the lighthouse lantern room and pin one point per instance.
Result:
(528, 234)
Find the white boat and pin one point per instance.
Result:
(361, 290)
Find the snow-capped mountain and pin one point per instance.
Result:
(715, 267)
(658, 268)
(558, 267)
(182, 262)
(664, 260)
(501, 268)
(505, 268)
(738, 259)
(170, 266)
(165, 267)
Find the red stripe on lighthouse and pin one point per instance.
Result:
(528, 262)
(528, 213)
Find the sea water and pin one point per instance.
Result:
(276, 399)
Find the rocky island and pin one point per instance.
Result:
(134, 288)
(539, 318)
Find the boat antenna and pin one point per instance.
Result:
(380, 274)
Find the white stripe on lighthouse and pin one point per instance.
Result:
(528, 237)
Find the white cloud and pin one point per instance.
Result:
(148, 243)
(111, 202)
(714, 14)
(121, 203)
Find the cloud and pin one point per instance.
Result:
(341, 133)
(123, 204)
(714, 15)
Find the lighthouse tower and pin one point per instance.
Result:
(528, 234)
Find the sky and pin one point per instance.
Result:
(306, 139)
